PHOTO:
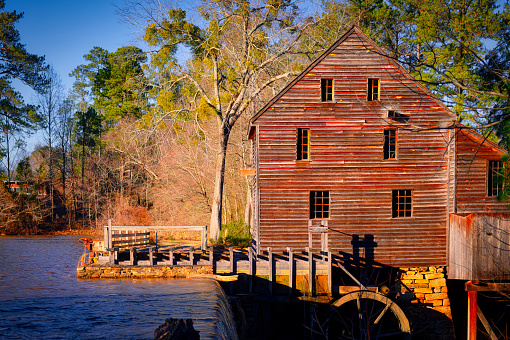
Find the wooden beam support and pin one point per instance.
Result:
(472, 315)
(211, 256)
(310, 270)
(231, 255)
(191, 255)
(250, 266)
(486, 324)
(270, 267)
(330, 272)
(171, 256)
(291, 271)
(486, 286)
(132, 256)
(151, 256)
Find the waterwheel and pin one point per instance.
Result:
(365, 315)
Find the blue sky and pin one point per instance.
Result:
(64, 30)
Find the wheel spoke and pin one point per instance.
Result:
(382, 313)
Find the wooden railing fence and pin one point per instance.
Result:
(130, 236)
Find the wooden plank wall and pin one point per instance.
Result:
(460, 259)
(479, 247)
(346, 152)
(473, 155)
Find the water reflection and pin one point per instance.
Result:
(40, 296)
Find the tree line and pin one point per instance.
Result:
(158, 136)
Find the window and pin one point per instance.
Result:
(494, 178)
(373, 89)
(326, 90)
(390, 144)
(319, 204)
(398, 116)
(303, 144)
(401, 203)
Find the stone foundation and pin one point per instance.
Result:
(424, 298)
(114, 272)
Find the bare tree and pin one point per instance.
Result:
(238, 49)
(50, 101)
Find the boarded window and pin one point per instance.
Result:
(326, 90)
(494, 178)
(390, 144)
(319, 204)
(373, 89)
(401, 203)
(303, 144)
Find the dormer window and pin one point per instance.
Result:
(326, 90)
(373, 89)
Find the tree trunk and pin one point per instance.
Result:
(218, 185)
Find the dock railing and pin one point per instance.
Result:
(139, 235)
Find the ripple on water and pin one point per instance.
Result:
(41, 297)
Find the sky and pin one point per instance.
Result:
(64, 30)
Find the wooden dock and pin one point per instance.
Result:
(288, 272)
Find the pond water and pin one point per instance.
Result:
(40, 297)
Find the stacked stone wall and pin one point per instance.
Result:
(114, 272)
(424, 298)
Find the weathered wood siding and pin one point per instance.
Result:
(473, 155)
(346, 158)
(479, 247)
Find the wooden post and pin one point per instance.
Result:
(330, 272)
(204, 238)
(270, 267)
(472, 317)
(132, 256)
(291, 271)
(110, 241)
(486, 324)
(111, 256)
(323, 247)
(310, 245)
(116, 255)
(211, 256)
(151, 256)
(231, 254)
(310, 270)
(105, 235)
(171, 256)
(191, 255)
(250, 266)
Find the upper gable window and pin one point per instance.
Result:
(373, 89)
(326, 90)
(494, 178)
(390, 144)
(303, 144)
